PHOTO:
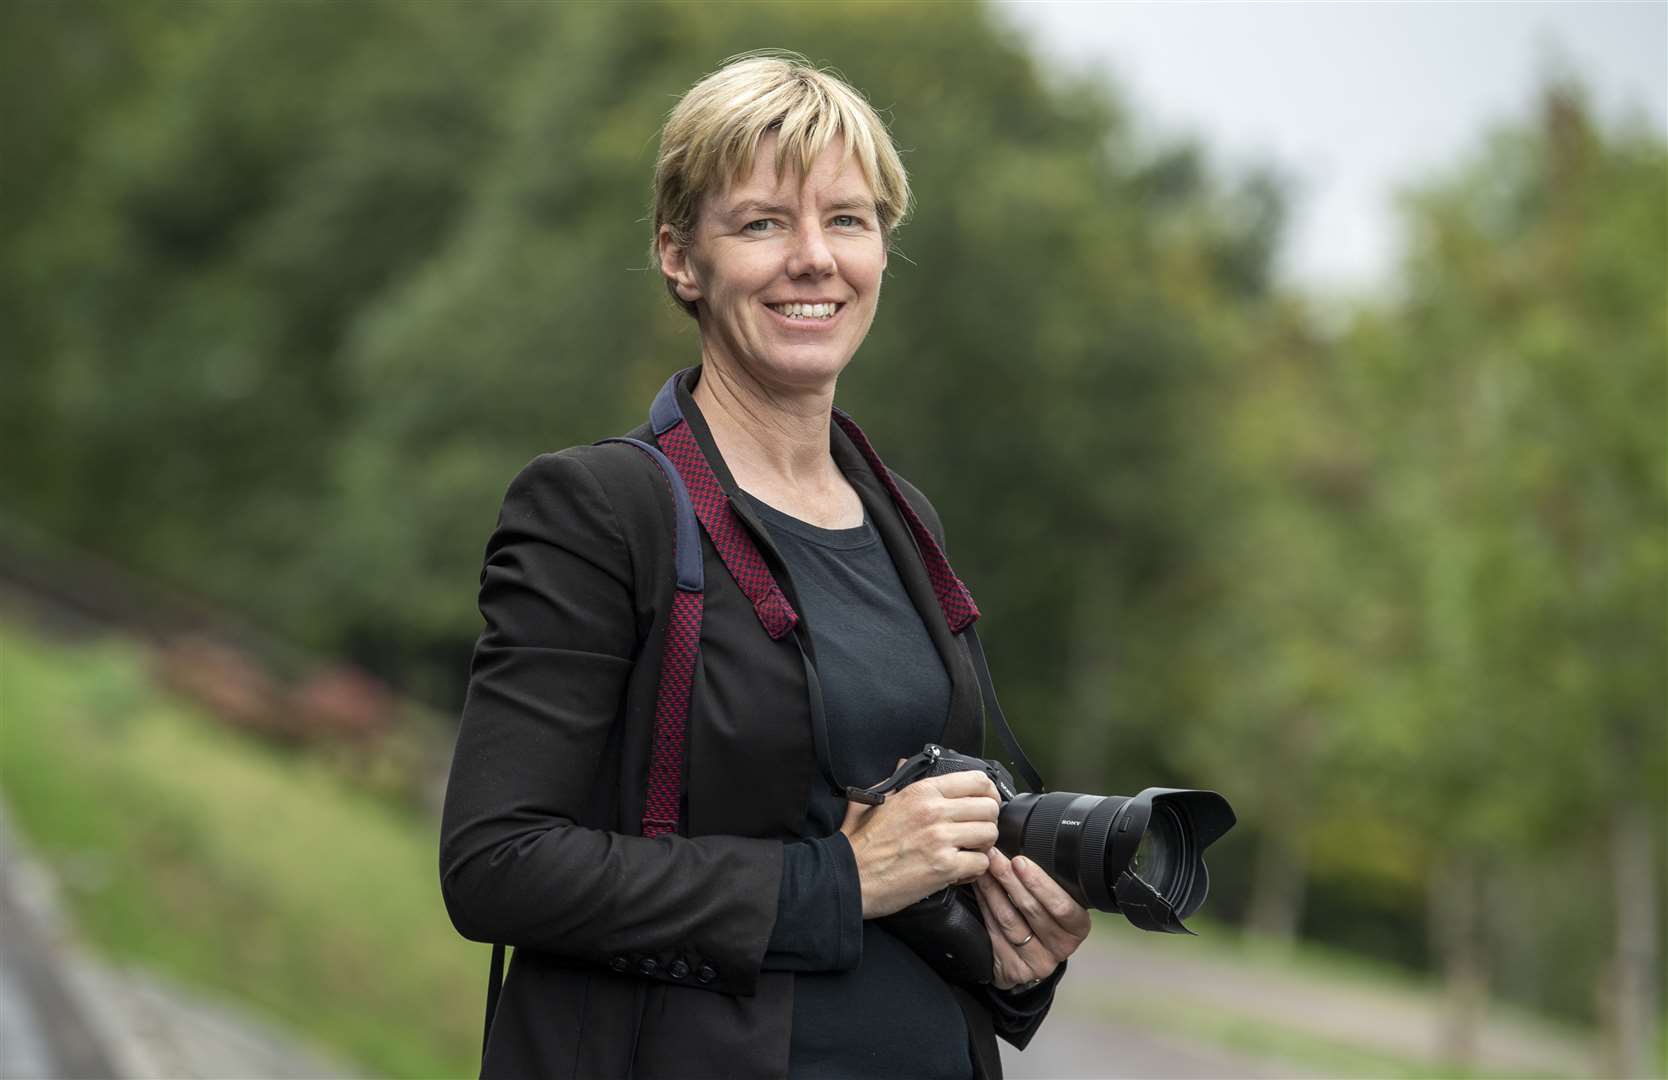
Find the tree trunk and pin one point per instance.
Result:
(1279, 876)
(1456, 935)
(1630, 1006)
(1277, 884)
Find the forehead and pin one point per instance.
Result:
(828, 180)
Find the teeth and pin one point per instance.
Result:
(805, 311)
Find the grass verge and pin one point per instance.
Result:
(233, 865)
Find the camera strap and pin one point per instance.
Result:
(994, 714)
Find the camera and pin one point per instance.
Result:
(1140, 855)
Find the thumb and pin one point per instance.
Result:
(855, 812)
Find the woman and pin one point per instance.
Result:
(743, 941)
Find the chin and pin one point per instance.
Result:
(802, 366)
(810, 371)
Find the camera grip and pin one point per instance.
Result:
(947, 931)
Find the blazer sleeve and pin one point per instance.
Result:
(546, 685)
(1017, 1014)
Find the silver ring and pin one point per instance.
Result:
(1022, 944)
(1033, 984)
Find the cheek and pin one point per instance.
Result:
(738, 279)
(865, 268)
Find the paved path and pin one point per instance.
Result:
(65, 1014)
(45, 1029)
(1124, 974)
(1072, 1046)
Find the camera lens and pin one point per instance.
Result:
(1142, 856)
(1161, 858)
(1145, 863)
(1067, 834)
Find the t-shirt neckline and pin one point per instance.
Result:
(856, 537)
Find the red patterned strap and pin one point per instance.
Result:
(959, 609)
(729, 536)
(671, 714)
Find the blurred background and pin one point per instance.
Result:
(1332, 475)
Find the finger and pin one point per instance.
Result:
(1018, 892)
(1031, 950)
(1009, 968)
(1001, 972)
(1067, 913)
(971, 808)
(1000, 914)
(962, 784)
(854, 813)
(969, 835)
(969, 865)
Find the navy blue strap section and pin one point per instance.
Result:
(691, 574)
(665, 411)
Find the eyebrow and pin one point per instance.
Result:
(758, 206)
(755, 206)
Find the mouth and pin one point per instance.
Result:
(807, 316)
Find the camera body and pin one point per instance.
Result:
(938, 761)
(1141, 855)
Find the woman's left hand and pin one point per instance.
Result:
(1034, 924)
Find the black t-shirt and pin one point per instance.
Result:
(885, 695)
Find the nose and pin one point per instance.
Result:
(810, 257)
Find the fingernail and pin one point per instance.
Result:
(1022, 864)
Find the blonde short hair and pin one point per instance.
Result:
(712, 134)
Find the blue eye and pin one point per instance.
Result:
(749, 227)
(847, 221)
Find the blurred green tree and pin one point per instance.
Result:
(312, 298)
(1520, 394)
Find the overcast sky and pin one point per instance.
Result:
(1349, 98)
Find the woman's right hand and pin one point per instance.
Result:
(935, 832)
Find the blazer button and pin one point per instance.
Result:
(619, 963)
(648, 966)
(679, 969)
(707, 973)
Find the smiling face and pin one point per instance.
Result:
(784, 269)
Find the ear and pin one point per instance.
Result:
(674, 264)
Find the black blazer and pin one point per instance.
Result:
(635, 956)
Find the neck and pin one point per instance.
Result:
(770, 437)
